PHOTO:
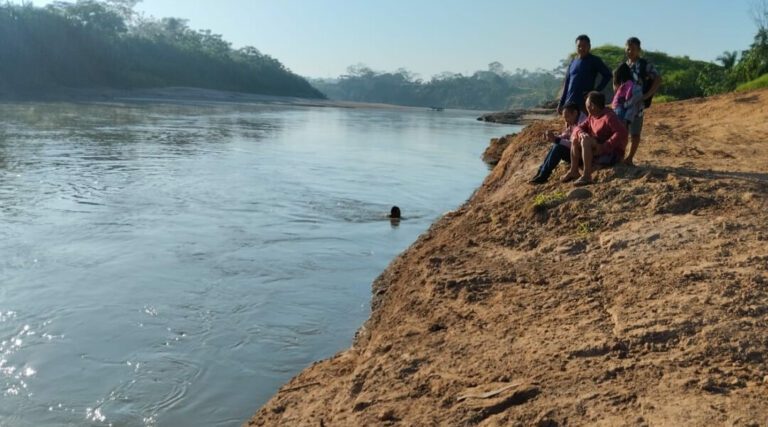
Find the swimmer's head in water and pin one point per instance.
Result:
(394, 212)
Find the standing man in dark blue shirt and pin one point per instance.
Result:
(581, 75)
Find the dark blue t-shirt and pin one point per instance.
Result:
(580, 79)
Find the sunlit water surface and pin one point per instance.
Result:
(174, 265)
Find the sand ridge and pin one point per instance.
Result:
(644, 303)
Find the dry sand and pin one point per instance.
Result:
(645, 303)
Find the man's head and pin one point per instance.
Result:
(633, 48)
(583, 45)
(571, 114)
(595, 103)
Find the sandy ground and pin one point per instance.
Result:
(644, 303)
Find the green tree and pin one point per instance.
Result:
(754, 61)
(682, 77)
(728, 59)
(92, 14)
(491, 89)
(90, 43)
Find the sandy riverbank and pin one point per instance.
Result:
(185, 95)
(645, 303)
(519, 116)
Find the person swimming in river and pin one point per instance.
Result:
(394, 213)
(394, 216)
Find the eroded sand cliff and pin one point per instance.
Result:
(645, 303)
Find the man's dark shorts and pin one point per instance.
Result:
(607, 159)
(636, 127)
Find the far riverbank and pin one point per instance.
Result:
(191, 95)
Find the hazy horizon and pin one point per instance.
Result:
(322, 39)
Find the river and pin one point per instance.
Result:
(168, 264)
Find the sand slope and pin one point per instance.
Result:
(644, 304)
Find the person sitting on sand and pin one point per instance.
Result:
(601, 139)
(561, 144)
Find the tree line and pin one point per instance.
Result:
(105, 43)
(493, 88)
(496, 89)
(97, 44)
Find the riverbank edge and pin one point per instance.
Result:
(523, 116)
(469, 327)
(187, 95)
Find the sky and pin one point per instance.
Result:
(321, 38)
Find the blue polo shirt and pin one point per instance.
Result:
(580, 79)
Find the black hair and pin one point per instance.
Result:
(394, 212)
(597, 99)
(622, 74)
(583, 38)
(572, 106)
(633, 41)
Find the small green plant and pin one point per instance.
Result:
(661, 99)
(584, 228)
(548, 200)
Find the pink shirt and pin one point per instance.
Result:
(623, 94)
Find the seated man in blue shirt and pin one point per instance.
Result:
(581, 75)
(560, 150)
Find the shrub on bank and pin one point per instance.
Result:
(757, 83)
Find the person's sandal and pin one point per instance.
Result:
(568, 178)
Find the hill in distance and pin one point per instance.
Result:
(94, 44)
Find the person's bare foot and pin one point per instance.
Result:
(629, 162)
(570, 176)
(582, 181)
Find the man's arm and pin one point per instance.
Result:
(650, 69)
(618, 136)
(583, 127)
(563, 97)
(566, 133)
(654, 87)
(605, 72)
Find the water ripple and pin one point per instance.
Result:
(158, 256)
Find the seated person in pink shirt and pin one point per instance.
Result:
(601, 139)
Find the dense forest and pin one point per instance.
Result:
(493, 88)
(490, 89)
(497, 89)
(106, 44)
